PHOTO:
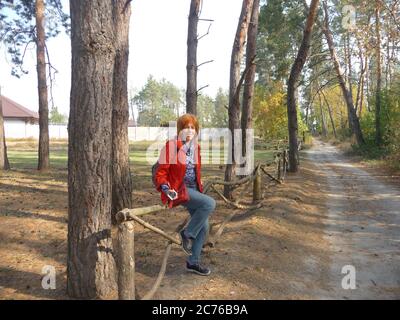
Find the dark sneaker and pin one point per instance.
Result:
(186, 243)
(196, 268)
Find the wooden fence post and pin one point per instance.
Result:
(284, 165)
(279, 167)
(257, 194)
(126, 261)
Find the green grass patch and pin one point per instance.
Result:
(22, 154)
(29, 159)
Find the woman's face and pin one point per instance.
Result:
(188, 132)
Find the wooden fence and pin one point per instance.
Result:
(126, 217)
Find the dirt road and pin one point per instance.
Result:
(362, 227)
(329, 218)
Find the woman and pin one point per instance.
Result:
(178, 178)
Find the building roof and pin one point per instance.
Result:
(12, 109)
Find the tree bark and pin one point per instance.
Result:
(346, 93)
(349, 79)
(234, 89)
(91, 265)
(324, 129)
(330, 113)
(378, 131)
(361, 103)
(121, 176)
(360, 86)
(248, 91)
(4, 164)
(43, 162)
(292, 83)
(191, 67)
(367, 86)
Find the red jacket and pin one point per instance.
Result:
(172, 169)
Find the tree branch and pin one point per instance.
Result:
(209, 61)
(50, 76)
(197, 92)
(208, 31)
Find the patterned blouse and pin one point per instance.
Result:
(190, 175)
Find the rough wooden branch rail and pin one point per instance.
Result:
(268, 164)
(215, 237)
(270, 175)
(250, 177)
(225, 183)
(126, 284)
(126, 265)
(126, 215)
(161, 274)
(123, 214)
(234, 204)
(181, 225)
(163, 268)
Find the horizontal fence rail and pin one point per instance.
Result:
(126, 217)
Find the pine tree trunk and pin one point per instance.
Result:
(248, 90)
(367, 84)
(234, 88)
(363, 80)
(349, 75)
(191, 68)
(4, 164)
(292, 83)
(349, 61)
(346, 93)
(121, 176)
(43, 162)
(360, 86)
(330, 113)
(324, 128)
(378, 131)
(91, 265)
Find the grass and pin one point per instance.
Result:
(22, 154)
(23, 158)
(29, 159)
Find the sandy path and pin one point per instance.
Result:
(362, 226)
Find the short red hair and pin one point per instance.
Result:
(185, 119)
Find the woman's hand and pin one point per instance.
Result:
(170, 193)
(164, 188)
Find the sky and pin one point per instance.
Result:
(157, 42)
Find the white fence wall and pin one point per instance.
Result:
(20, 129)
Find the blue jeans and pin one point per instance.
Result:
(200, 206)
